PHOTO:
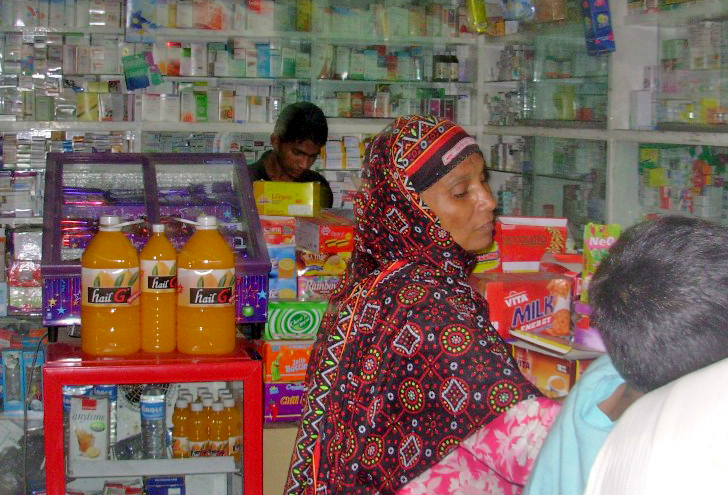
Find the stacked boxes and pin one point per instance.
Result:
(309, 256)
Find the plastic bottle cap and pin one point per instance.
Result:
(207, 401)
(217, 406)
(109, 223)
(206, 222)
(228, 402)
(157, 228)
(196, 407)
(180, 403)
(202, 390)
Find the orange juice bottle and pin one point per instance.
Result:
(198, 431)
(206, 303)
(233, 428)
(110, 292)
(180, 430)
(158, 264)
(218, 431)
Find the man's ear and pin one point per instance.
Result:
(275, 141)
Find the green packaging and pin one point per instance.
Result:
(290, 320)
(598, 239)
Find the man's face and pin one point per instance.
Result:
(296, 157)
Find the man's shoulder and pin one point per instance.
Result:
(312, 176)
(257, 171)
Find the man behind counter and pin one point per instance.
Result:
(298, 136)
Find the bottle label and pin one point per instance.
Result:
(205, 288)
(218, 448)
(159, 276)
(234, 445)
(180, 447)
(110, 287)
(198, 449)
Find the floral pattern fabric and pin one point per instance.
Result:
(496, 460)
(406, 364)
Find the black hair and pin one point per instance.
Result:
(301, 121)
(660, 300)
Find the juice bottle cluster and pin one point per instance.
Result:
(205, 427)
(157, 300)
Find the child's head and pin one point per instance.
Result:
(660, 300)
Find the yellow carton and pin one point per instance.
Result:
(296, 199)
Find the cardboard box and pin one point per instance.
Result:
(278, 230)
(553, 374)
(285, 361)
(89, 433)
(283, 261)
(283, 402)
(519, 243)
(298, 199)
(317, 288)
(294, 319)
(311, 263)
(531, 302)
(328, 233)
(282, 288)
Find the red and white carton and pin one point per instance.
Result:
(328, 233)
(537, 302)
(278, 230)
(520, 242)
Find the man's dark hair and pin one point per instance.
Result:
(660, 300)
(301, 121)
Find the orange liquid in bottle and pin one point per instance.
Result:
(109, 293)
(206, 303)
(180, 430)
(158, 263)
(197, 436)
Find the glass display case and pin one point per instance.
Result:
(94, 432)
(167, 188)
(551, 177)
(693, 71)
(546, 77)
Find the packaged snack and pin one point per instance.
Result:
(328, 233)
(530, 302)
(317, 288)
(310, 263)
(282, 288)
(298, 199)
(553, 374)
(283, 401)
(282, 260)
(24, 273)
(27, 244)
(278, 230)
(597, 241)
(293, 319)
(285, 361)
(89, 433)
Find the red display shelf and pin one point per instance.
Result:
(67, 365)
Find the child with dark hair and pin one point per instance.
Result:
(298, 136)
(660, 301)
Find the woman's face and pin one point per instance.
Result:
(464, 204)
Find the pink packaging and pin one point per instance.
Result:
(283, 402)
(317, 288)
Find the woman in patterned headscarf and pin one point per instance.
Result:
(406, 365)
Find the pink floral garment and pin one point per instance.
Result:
(497, 459)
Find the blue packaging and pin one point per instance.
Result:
(165, 485)
(597, 27)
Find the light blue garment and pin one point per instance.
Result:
(563, 464)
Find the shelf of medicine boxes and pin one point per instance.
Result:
(680, 15)
(173, 34)
(41, 30)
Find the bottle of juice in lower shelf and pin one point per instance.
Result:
(198, 431)
(218, 431)
(181, 429)
(158, 264)
(110, 292)
(233, 426)
(206, 302)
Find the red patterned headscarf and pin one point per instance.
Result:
(406, 364)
